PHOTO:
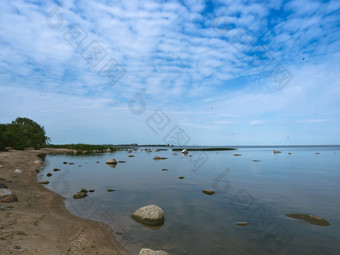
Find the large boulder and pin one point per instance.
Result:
(7, 196)
(185, 151)
(111, 161)
(146, 251)
(149, 215)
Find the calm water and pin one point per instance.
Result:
(258, 192)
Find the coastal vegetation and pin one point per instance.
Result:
(22, 133)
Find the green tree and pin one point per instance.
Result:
(23, 133)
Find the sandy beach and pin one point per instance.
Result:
(39, 222)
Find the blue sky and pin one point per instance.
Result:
(182, 72)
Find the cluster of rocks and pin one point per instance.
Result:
(6, 195)
(81, 194)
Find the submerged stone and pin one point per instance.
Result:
(315, 220)
(208, 192)
(149, 215)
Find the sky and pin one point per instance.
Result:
(186, 72)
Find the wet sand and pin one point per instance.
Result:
(39, 222)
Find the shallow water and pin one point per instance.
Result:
(246, 191)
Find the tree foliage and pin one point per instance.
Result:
(22, 133)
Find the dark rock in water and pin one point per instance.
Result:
(208, 192)
(83, 190)
(276, 151)
(289, 153)
(56, 169)
(256, 160)
(181, 177)
(111, 161)
(121, 161)
(79, 195)
(48, 174)
(97, 162)
(159, 158)
(164, 169)
(147, 251)
(315, 220)
(237, 155)
(110, 190)
(91, 190)
(131, 156)
(64, 163)
(71, 163)
(7, 196)
(44, 182)
(149, 215)
(242, 224)
(317, 152)
(3, 186)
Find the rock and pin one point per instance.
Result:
(147, 251)
(129, 151)
(256, 160)
(317, 152)
(91, 190)
(71, 163)
(208, 192)
(1, 166)
(181, 177)
(185, 151)
(64, 163)
(315, 220)
(242, 224)
(159, 158)
(97, 162)
(79, 195)
(131, 156)
(121, 161)
(276, 151)
(48, 174)
(44, 182)
(110, 190)
(18, 171)
(3, 186)
(7, 196)
(38, 161)
(56, 169)
(149, 215)
(289, 153)
(2, 208)
(83, 190)
(111, 161)
(237, 155)
(164, 169)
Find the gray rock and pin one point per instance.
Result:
(208, 192)
(149, 215)
(3, 186)
(79, 195)
(111, 161)
(315, 220)
(147, 251)
(18, 171)
(185, 151)
(38, 161)
(44, 182)
(242, 224)
(7, 196)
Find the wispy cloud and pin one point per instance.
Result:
(183, 54)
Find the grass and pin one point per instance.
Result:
(84, 147)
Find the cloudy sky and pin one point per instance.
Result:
(222, 72)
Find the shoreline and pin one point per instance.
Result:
(39, 222)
